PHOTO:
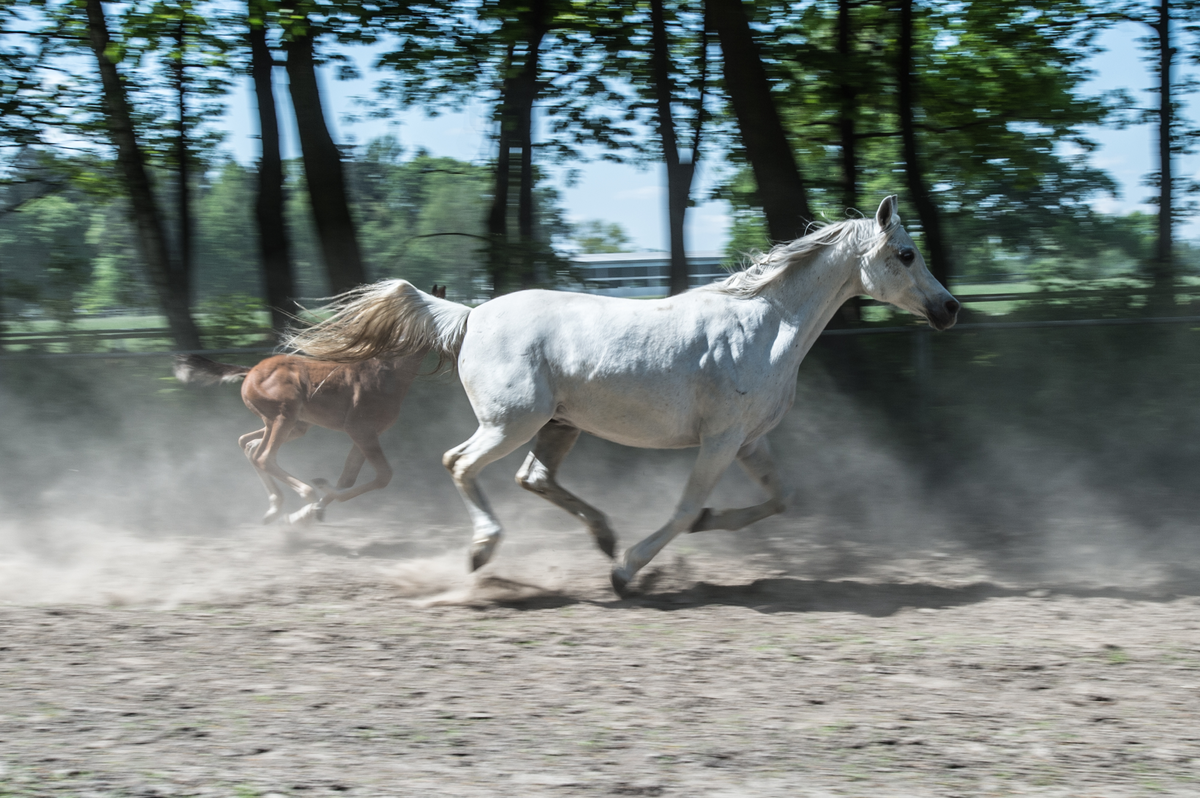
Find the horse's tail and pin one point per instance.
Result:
(197, 370)
(389, 319)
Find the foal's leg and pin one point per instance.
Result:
(755, 457)
(250, 443)
(280, 430)
(538, 473)
(366, 442)
(715, 456)
(490, 442)
(354, 464)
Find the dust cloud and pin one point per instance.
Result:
(120, 486)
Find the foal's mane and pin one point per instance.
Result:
(768, 267)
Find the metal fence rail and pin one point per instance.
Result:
(916, 328)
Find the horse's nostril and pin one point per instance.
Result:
(952, 306)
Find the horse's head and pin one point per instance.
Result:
(894, 272)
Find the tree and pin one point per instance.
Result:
(513, 53)
(989, 119)
(595, 237)
(181, 42)
(934, 242)
(278, 282)
(1162, 18)
(780, 189)
(322, 160)
(680, 171)
(166, 272)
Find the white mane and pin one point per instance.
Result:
(767, 267)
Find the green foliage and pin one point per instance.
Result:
(421, 219)
(595, 237)
(1002, 119)
(232, 319)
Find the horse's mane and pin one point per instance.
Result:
(765, 268)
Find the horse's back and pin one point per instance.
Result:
(639, 372)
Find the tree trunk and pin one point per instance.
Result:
(849, 110)
(526, 90)
(166, 274)
(278, 282)
(183, 151)
(780, 187)
(323, 169)
(927, 212)
(499, 266)
(679, 174)
(1163, 267)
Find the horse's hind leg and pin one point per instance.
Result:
(755, 458)
(716, 453)
(489, 443)
(538, 474)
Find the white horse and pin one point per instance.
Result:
(714, 367)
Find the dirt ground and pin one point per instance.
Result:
(1026, 629)
(349, 660)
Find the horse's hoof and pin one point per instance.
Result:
(272, 515)
(306, 515)
(607, 543)
(620, 582)
(482, 551)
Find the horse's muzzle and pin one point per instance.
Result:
(943, 316)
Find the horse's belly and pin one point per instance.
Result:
(627, 418)
(631, 433)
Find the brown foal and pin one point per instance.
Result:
(291, 393)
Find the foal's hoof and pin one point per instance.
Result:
(307, 515)
(482, 551)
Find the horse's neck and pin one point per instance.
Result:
(809, 295)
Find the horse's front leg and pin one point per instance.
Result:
(250, 443)
(715, 456)
(755, 458)
(354, 464)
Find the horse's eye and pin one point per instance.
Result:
(907, 256)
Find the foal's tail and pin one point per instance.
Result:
(197, 370)
(389, 319)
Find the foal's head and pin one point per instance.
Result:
(894, 272)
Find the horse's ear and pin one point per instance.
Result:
(439, 291)
(887, 214)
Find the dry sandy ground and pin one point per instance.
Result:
(351, 659)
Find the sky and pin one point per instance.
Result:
(635, 197)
